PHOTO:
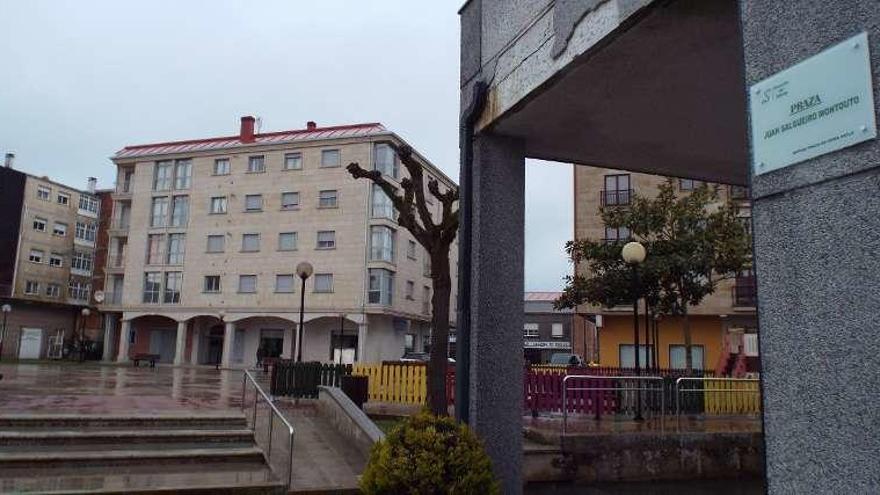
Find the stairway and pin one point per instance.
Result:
(66, 454)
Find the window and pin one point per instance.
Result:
(293, 161)
(426, 265)
(327, 199)
(429, 197)
(330, 158)
(250, 242)
(411, 250)
(162, 175)
(530, 330)
(216, 244)
(88, 203)
(182, 174)
(86, 231)
(152, 286)
(221, 166)
(81, 261)
(381, 243)
(253, 202)
(627, 358)
(426, 300)
(32, 288)
(381, 286)
(677, 358)
(59, 229)
(63, 199)
(381, 206)
(410, 290)
(36, 256)
(385, 160)
(40, 224)
(173, 284)
(287, 241)
(256, 164)
(56, 260)
(617, 190)
(79, 290)
(53, 290)
(284, 283)
(44, 192)
(326, 239)
(323, 282)
(179, 211)
(615, 234)
(155, 244)
(218, 205)
(212, 283)
(687, 184)
(556, 330)
(176, 248)
(247, 283)
(159, 212)
(289, 200)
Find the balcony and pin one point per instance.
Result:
(118, 226)
(745, 293)
(617, 197)
(123, 190)
(115, 262)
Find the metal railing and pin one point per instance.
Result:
(637, 388)
(677, 390)
(258, 392)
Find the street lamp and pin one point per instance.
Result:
(304, 269)
(6, 309)
(633, 254)
(82, 332)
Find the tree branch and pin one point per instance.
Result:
(404, 204)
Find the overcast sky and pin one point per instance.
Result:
(81, 79)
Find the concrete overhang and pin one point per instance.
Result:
(654, 87)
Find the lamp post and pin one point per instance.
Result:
(82, 332)
(6, 309)
(633, 254)
(304, 269)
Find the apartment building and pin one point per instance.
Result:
(723, 327)
(47, 253)
(206, 235)
(546, 330)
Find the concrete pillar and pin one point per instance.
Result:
(287, 343)
(180, 347)
(362, 342)
(108, 337)
(124, 336)
(228, 339)
(496, 303)
(816, 234)
(196, 340)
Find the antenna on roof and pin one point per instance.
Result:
(259, 124)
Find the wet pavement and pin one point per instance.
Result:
(109, 389)
(583, 425)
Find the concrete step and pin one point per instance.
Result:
(239, 477)
(134, 422)
(30, 440)
(121, 458)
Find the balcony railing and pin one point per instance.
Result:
(116, 261)
(745, 293)
(123, 187)
(619, 197)
(119, 224)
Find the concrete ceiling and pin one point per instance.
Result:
(663, 94)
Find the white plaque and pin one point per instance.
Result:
(820, 105)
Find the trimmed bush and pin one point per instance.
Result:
(427, 454)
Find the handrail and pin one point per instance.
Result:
(247, 376)
(565, 390)
(678, 391)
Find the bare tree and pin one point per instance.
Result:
(437, 238)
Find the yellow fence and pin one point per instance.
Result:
(398, 383)
(727, 397)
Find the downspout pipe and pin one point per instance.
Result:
(463, 330)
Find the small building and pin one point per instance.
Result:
(546, 330)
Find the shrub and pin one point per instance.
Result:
(427, 454)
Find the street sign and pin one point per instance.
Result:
(533, 344)
(820, 105)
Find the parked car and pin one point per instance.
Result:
(566, 358)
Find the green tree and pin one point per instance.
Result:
(436, 236)
(694, 241)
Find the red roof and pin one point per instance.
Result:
(542, 296)
(334, 132)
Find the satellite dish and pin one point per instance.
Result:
(99, 296)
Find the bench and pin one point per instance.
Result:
(152, 358)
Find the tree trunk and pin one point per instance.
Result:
(688, 357)
(439, 362)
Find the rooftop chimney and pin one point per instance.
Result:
(247, 129)
(93, 184)
(10, 159)
(311, 126)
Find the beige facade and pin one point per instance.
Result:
(213, 245)
(730, 311)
